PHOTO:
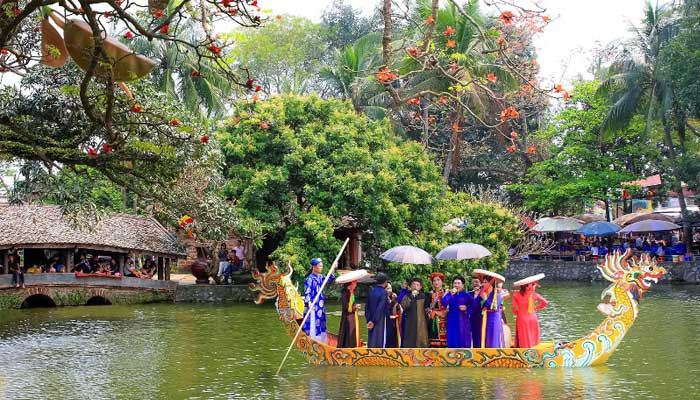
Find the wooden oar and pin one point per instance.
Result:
(313, 304)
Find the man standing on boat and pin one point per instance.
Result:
(416, 306)
(315, 325)
(475, 314)
(376, 313)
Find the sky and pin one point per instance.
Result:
(565, 47)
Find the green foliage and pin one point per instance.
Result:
(320, 165)
(586, 165)
(284, 56)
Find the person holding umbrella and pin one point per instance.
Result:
(458, 311)
(525, 303)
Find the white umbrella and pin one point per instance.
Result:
(463, 251)
(557, 224)
(407, 255)
(650, 225)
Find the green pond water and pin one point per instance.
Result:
(167, 351)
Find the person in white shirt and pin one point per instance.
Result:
(240, 256)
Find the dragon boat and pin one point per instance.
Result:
(630, 277)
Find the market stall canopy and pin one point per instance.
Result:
(557, 224)
(650, 226)
(407, 255)
(631, 218)
(586, 218)
(599, 228)
(463, 251)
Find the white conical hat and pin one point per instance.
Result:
(529, 279)
(498, 277)
(355, 275)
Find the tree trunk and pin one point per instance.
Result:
(678, 185)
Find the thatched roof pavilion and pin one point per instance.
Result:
(44, 227)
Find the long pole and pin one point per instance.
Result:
(313, 304)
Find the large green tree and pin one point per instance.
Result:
(585, 165)
(301, 167)
(285, 55)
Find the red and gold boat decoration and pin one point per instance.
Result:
(630, 277)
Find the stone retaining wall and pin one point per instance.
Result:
(214, 294)
(688, 272)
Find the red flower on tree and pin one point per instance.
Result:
(158, 13)
(451, 43)
(558, 88)
(16, 11)
(491, 77)
(164, 28)
(92, 152)
(413, 101)
(511, 148)
(508, 113)
(214, 49)
(3, 51)
(546, 19)
(136, 108)
(174, 122)
(385, 75)
(430, 20)
(514, 135)
(449, 31)
(204, 139)
(532, 149)
(106, 148)
(128, 35)
(442, 100)
(194, 73)
(236, 120)
(249, 83)
(413, 51)
(258, 88)
(226, 3)
(506, 17)
(500, 40)
(566, 95)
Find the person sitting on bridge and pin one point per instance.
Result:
(130, 268)
(150, 269)
(82, 266)
(56, 265)
(113, 266)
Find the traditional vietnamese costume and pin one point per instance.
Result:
(458, 326)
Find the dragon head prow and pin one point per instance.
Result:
(634, 274)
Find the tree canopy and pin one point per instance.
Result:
(303, 167)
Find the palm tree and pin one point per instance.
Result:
(352, 64)
(197, 83)
(636, 84)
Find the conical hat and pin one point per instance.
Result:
(529, 279)
(355, 275)
(484, 272)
